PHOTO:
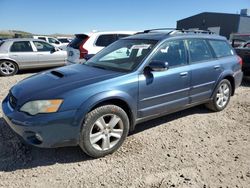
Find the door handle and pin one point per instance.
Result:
(216, 67)
(183, 74)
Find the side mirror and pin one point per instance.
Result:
(57, 42)
(53, 50)
(156, 65)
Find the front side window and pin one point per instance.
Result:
(173, 52)
(43, 46)
(123, 55)
(21, 46)
(105, 40)
(221, 48)
(198, 50)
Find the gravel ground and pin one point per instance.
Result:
(191, 148)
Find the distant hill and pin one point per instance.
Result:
(22, 34)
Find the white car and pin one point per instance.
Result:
(84, 46)
(55, 42)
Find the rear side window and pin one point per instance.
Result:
(105, 40)
(42, 38)
(221, 48)
(122, 36)
(21, 46)
(199, 50)
(77, 41)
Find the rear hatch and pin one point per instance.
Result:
(75, 51)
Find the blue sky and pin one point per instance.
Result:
(77, 16)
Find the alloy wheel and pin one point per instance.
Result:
(106, 132)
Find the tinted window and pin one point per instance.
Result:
(78, 40)
(1, 43)
(122, 36)
(43, 46)
(64, 40)
(199, 50)
(221, 48)
(42, 38)
(21, 46)
(173, 52)
(105, 40)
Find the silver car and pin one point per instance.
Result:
(18, 54)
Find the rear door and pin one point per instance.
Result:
(205, 69)
(48, 56)
(23, 53)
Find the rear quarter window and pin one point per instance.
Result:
(1, 43)
(221, 48)
(105, 40)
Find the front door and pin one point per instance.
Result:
(165, 91)
(48, 56)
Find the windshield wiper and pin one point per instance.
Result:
(99, 67)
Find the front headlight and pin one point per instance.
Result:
(41, 106)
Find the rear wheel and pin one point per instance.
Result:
(221, 96)
(104, 130)
(8, 68)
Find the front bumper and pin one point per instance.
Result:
(43, 130)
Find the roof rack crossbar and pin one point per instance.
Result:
(177, 30)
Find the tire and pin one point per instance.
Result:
(221, 96)
(8, 68)
(104, 130)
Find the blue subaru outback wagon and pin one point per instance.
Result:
(135, 79)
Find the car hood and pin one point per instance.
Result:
(56, 81)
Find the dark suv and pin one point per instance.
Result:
(135, 79)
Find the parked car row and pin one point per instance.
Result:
(96, 104)
(19, 54)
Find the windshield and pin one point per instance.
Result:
(123, 55)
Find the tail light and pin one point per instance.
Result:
(240, 61)
(83, 51)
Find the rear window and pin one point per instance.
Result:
(105, 40)
(221, 48)
(76, 42)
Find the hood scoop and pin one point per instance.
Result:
(57, 74)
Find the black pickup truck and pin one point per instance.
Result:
(244, 52)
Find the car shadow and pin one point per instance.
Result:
(33, 71)
(246, 81)
(14, 154)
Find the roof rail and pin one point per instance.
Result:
(177, 30)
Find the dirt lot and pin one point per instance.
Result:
(192, 148)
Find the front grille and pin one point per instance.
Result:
(12, 101)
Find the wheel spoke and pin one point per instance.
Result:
(106, 143)
(114, 120)
(95, 137)
(101, 123)
(117, 133)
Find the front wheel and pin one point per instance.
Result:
(221, 96)
(104, 130)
